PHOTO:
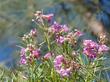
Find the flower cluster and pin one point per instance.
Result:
(62, 33)
(92, 49)
(58, 31)
(58, 28)
(40, 17)
(31, 35)
(28, 55)
(30, 52)
(65, 67)
(73, 36)
(58, 64)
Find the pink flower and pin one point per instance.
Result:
(48, 55)
(33, 32)
(60, 39)
(90, 52)
(36, 53)
(59, 59)
(40, 17)
(58, 64)
(90, 48)
(90, 43)
(22, 52)
(78, 33)
(23, 59)
(48, 17)
(103, 48)
(65, 72)
(65, 28)
(57, 28)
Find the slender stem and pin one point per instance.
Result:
(47, 40)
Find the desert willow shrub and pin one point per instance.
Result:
(58, 57)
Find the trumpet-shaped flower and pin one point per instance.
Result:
(48, 17)
(48, 55)
(78, 33)
(36, 53)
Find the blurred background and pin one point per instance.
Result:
(16, 19)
